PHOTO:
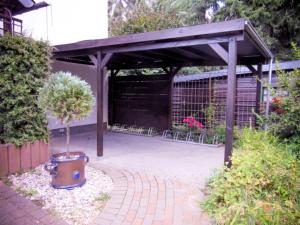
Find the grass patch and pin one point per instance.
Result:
(103, 197)
(27, 193)
(6, 181)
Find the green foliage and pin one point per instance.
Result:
(284, 121)
(261, 187)
(67, 97)
(24, 65)
(277, 21)
(103, 197)
(27, 192)
(144, 19)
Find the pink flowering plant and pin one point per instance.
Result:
(192, 123)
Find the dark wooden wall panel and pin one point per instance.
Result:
(140, 100)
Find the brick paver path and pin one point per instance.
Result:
(140, 199)
(17, 210)
(137, 199)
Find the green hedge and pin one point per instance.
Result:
(261, 187)
(24, 66)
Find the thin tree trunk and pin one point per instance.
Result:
(68, 140)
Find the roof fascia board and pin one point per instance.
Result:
(257, 40)
(172, 44)
(213, 29)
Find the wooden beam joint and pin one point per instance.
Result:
(220, 51)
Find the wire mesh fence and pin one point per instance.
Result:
(199, 104)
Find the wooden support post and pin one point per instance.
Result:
(100, 79)
(171, 72)
(230, 100)
(170, 109)
(101, 64)
(258, 89)
(113, 74)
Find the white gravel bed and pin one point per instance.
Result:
(79, 206)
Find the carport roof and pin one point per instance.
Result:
(199, 45)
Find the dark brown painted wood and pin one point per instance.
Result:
(212, 29)
(220, 51)
(142, 101)
(164, 56)
(106, 59)
(100, 82)
(93, 59)
(252, 69)
(169, 44)
(111, 90)
(170, 107)
(230, 101)
(172, 72)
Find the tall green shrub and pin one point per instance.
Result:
(261, 187)
(24, 65)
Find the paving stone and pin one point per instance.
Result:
(137, 199)
(40, 213)
(48, 219)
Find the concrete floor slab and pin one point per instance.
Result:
(188, 163)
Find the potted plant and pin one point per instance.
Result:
(67, 98)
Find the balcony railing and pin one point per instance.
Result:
(10, 25)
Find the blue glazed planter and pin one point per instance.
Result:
(67, 173)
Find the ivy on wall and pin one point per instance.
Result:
(24, 67)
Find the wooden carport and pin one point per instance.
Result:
(228, 43)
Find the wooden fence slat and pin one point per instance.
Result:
(25, 157)
(3, 160)
(35, 154)
(47, 151)
(14, 159)
(44, 154)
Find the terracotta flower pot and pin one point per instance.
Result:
(67, 173)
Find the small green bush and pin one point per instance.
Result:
(24, 65)
(261, 187)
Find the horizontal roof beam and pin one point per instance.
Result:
(214, 29)
(171, 44)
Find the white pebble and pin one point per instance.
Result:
(77, 206)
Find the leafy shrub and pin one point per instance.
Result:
(261, 187)
(24, 65)
(284, 120)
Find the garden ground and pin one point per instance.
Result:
(189, 163)
(155, 182)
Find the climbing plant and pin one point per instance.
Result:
(24, 65)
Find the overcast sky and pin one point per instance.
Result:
(68, 21)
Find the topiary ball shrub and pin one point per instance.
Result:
(24, 66)
(67, 98)
(261, 187)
